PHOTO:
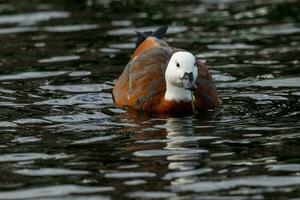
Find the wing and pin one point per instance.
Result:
(206, 91)
(143, 79)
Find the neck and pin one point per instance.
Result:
(175, 93)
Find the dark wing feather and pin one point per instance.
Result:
(206, 90)
(159, 34)
(147, 76)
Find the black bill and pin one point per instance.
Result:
(188, 81)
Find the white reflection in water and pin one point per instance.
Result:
(86, 98)
(180, 135)
(131, 31)
(78, 88)
(16, 157)
(59, 59)
(31, 75)
(17, 30)
(71, 28)
(52, 191)
(32, 18)
(50, 172)
(273, 83)
(184, 166)
(255, 181)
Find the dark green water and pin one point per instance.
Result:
(62, 138)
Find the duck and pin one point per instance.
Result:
(162, 79)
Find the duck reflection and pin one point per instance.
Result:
(170, 144)
(182, 140)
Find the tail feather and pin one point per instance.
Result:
(159, 34)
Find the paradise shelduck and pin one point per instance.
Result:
(162, 79)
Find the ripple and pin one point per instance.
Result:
(31, 75)
(32, 18)
(267, 128)
(252, 13)
(215, 54)
(128, 166)
(109, 50)
(80, 73)
(151, 141)
(8, 124)
(180, 174)
(233, 197)
(77, 117)
(223, 77)
(16, 157)
(80, 127)
(230, 66)
(121, 23)
(28, 139)
(31, 121)
(117, 110)
(135, 182)
(231, 46)
(52, 191)
(59, 59)
(17, 30)
(8, 98)
(96, 139)
(296, 93)
(122, 46)
(156, 153)
(6, 91)
(273, 83)
(77, 88)
(263, 97)
(151, 194)
(124, 175)
(183, 139)
(255, 181)
(74, 197)
(262, 62)
(283, 29)
(131, 31)
(12, 104)
(71, 28)
(90, 98)
(182, 166)
(284, 167)
(50, 172)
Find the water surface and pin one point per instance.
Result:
(62, 137)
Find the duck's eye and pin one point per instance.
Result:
(177, 65)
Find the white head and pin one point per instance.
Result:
(180, 75)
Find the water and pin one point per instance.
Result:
(63, 138)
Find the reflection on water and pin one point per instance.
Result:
(63, 138)
(53, 191)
